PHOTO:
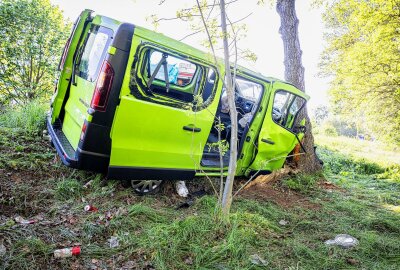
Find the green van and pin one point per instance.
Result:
(138, 106)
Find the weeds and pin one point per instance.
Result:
(68, 188)
(29, 119)
(302, 182)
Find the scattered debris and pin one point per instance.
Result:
(113, 242)
(272, 177)
(88, 184)
(21, 220)
(352, 261)
(108, 215)
(343, 240)
(67, 252)
(283, 222)
(181, 189)
(189, 261)
(90, 208)
(189, 202)
(186, 204)
(3, 250)
(257, 260)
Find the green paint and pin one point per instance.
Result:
(112, 50)
(147, 130)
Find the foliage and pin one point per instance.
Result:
(29, 118)
(363, 59)
(32, 36)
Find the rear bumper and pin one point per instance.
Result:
(79, 159)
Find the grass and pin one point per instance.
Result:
(30, 118)
(361, 201)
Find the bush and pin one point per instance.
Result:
(29, 118)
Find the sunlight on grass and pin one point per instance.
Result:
(383, 154)
(394, 208)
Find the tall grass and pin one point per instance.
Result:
(29, 118)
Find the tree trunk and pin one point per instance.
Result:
(294, 73)
(227, 195)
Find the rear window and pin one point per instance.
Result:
(94, 52)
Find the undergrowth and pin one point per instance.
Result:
(29, 118)
(153, 234)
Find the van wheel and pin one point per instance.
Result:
(144, 187)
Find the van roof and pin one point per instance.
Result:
(181, 46)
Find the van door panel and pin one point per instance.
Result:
(275, 141)
(75, 38)
(87, 68)
(148, 136)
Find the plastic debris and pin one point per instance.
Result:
(192, 196)
(88, 184)
(181, 189)
(186, 204)
(113, 242)
(283, 222)
(257, 260)
(343, 240)
(21, 220)
(3, 250)
(67, 252)
(90, 208)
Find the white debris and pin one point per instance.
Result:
(283, 222)
(343, 240)
(257, 260)
(113, 242)
(3, 250)
(181, 189)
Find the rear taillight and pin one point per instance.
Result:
(103, 86)
(83, 131)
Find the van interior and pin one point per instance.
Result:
(247, 98)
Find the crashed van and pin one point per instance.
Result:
(144, 108)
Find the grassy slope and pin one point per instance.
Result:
(152, 234)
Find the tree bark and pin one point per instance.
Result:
(294, 73)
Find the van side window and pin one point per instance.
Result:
(178, 71)
(286, 108)
(93, 54)
(170, 79)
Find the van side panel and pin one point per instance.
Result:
(150, 139)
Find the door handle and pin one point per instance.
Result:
(267, 141)
(191, 128)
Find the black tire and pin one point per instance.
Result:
(146, 187)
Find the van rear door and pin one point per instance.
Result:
(86, 69)
(277, 136)
(66, 61)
